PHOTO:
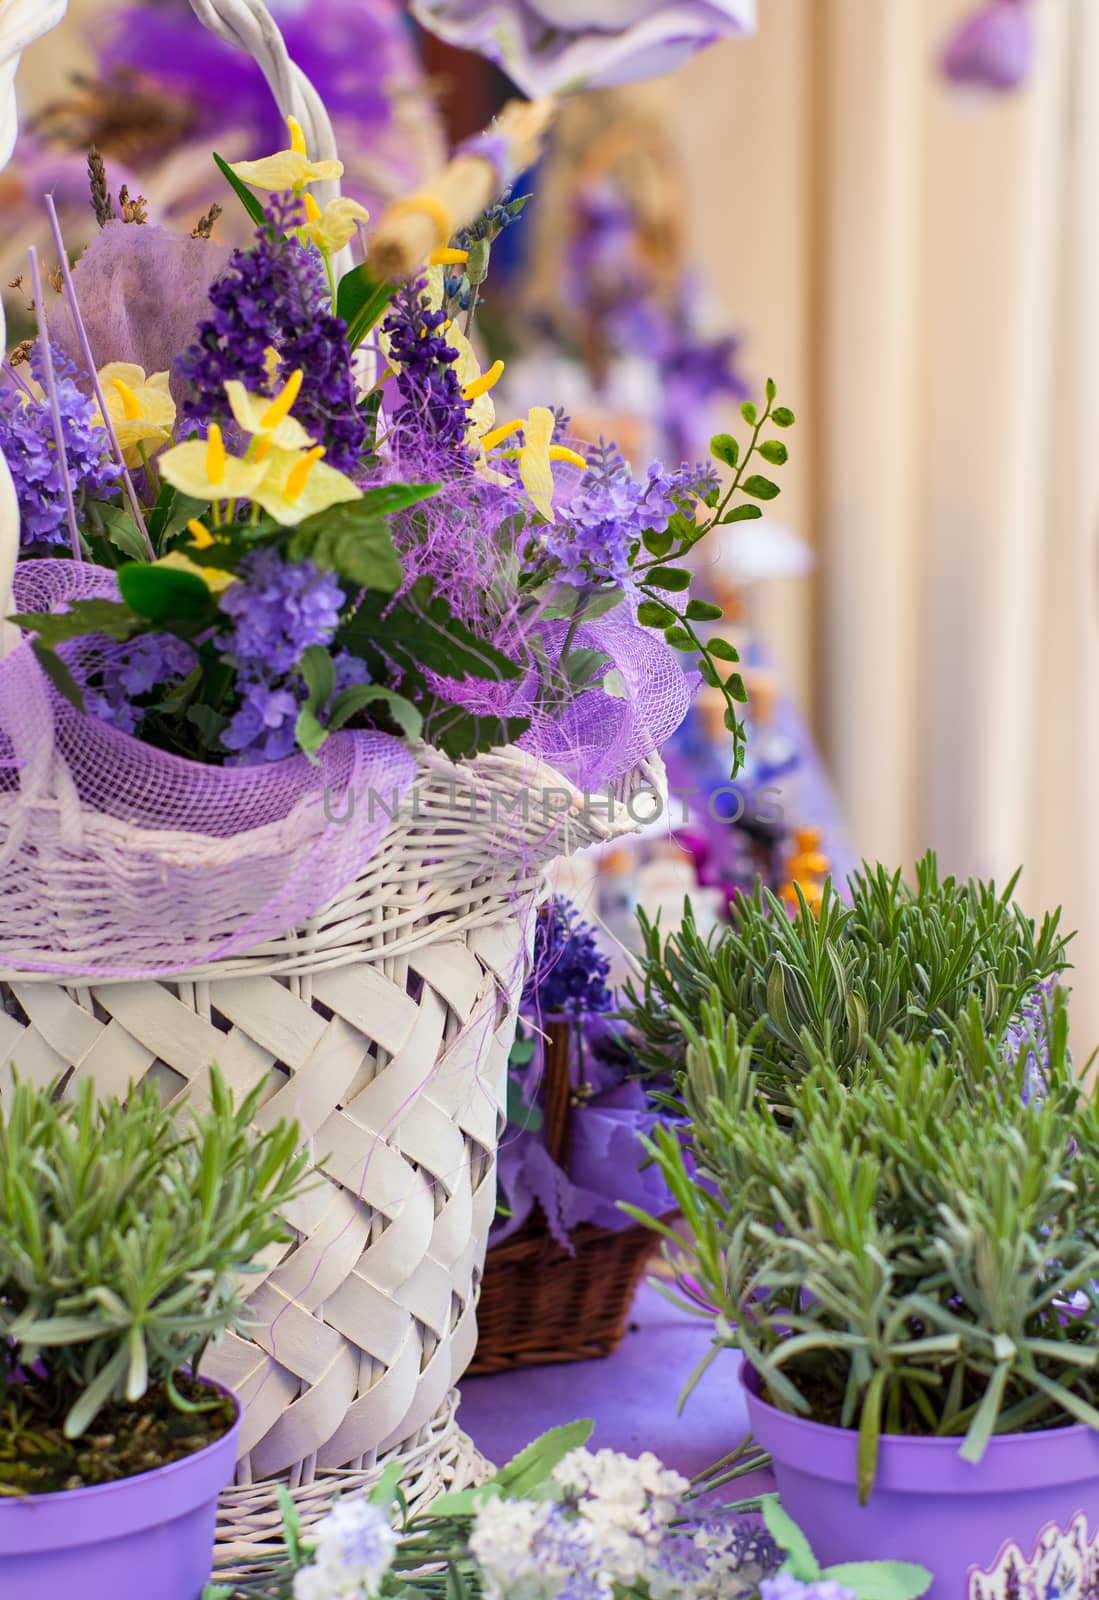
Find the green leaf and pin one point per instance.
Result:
(870, 1433)
(421, 631)
(522, 1053)
(782, 417)
(650, 614)
(384, 1492)
(58, 674)
(564, 599)
(722, 649)
(360, 695)
(702, 611)
(360, 300)
(386, 498)
(748, 412)
(800, 1562)
(209, 723)
(241, 190)
(735, 685)
(520, 1114)
(461, 735)
(709, 672)
(122, 531)
(679, 639)
(881, 1580)
(672, 579)
(532, 1467)
(291, 1524)
(657, 544)
(774, 451)
(581, 666)
(742, 514)
(111, 617)
(614, 684)
(319, 672)
(353, 543)
(770, 390)
(164, 594)
(725, 448)
(760, 488)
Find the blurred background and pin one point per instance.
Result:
(912, 253)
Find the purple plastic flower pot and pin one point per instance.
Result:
(143, 1538)
(1022, 1522)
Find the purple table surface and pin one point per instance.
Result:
(632, 1397)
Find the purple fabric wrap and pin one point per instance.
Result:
(607, 1165)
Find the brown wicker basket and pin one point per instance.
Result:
(539, 1304)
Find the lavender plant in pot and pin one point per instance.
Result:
(890, 958)
(906, 1251)
(124, 1232)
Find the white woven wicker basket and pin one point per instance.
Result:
(382, 1027)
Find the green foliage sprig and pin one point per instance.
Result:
(124, 1231)
(897, 959)
(910, 1244)
(665, 585)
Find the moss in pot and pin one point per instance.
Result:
(126, 1232)
(907, 1254)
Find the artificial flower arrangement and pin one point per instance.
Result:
(902, 1242)
(297, 550)
(562, 1522)
(127, 1229)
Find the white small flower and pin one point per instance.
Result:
(355, 1546)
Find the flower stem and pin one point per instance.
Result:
(55, 405)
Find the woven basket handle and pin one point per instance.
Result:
(245, 23)
(557, 1091)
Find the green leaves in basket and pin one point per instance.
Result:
(360, 301)
(353, 541)
(166, 594)
(868, 1580)
(420, 634)
(319, 672)
(525, 1476)
(241, 190)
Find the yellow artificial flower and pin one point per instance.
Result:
(297, 484)
(536, 455)
(266, 419)
(475, 385)
(287, 169)
(215, 578)
(141, 409)
(204, 470)
(333, 227)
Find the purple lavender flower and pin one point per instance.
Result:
(569, 972)
(611, 510)
(993, 48)
(279, 608)
(275, 295)
(433, 406)
(30, 449)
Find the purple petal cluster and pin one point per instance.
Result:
(275, 295)
(433, 408)
(30, 449)
(569, 972)
(611, 510)
(114, 676)
(278, 609)
(784, 1586)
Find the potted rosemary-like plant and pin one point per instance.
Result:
(123, 1237)
(844, 975)
(906, 1251)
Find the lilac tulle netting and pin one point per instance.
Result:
(118, 860)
